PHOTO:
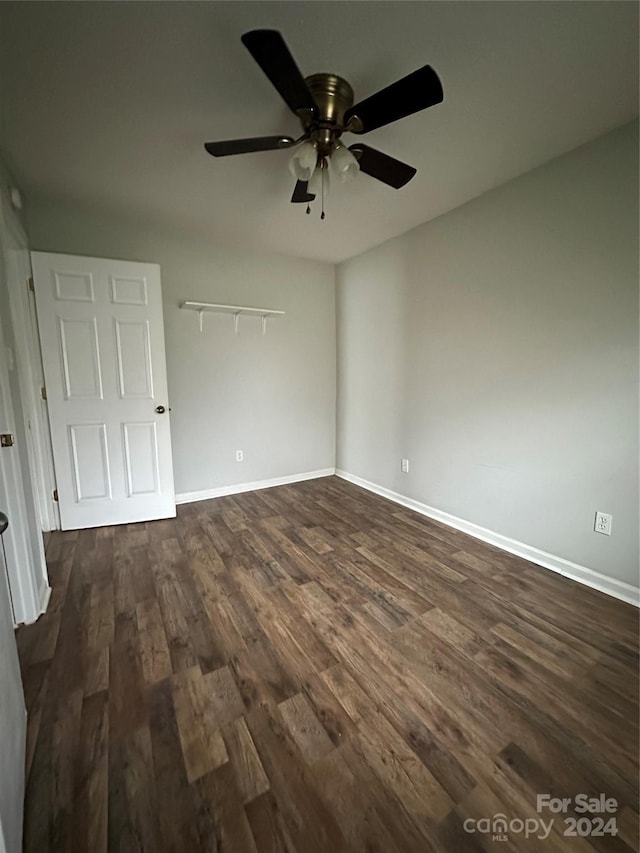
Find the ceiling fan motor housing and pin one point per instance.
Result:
(333, 96)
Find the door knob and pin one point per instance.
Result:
(160, 410)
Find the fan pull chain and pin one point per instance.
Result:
(308, 210)
(324, 167)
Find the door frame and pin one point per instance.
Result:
(30, 373)
(27, 602)
(26, 569)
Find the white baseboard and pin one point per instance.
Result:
(45, 595)
(237, 488)
(581, 574)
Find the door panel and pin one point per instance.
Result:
(128, 291)
(74, 287)
(134, 358)
(103, 347)
(89, 454)
(80, 358)
(141, 458)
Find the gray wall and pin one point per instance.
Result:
(272, 397)
(496, 347)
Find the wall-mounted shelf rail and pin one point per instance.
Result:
(235, 310)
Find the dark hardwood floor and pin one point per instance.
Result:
(311, 668)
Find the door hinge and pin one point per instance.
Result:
(55, 495)
(43, 392)
(6, 439)
(30, 284)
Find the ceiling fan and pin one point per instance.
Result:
(324, 105)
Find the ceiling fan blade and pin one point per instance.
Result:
(415, 92)
(248, 146)
(387, 169)
(300, 193)
(269, 50)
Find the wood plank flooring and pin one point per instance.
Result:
(311, 668)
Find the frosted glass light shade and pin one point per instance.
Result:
(344, 165)
(303, 162)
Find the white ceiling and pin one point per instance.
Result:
(109, 103)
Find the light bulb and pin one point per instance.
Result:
(303, 162)
(319, 181)
(344, 165)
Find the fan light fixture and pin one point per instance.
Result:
(311, 167)
(303, 162)
(343, 163)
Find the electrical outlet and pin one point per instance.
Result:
(603, 523)
(239, 456)
(404, 464)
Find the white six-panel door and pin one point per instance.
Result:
(102, 339)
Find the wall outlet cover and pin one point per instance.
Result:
(602, 523)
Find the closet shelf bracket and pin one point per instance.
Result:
(236, 310)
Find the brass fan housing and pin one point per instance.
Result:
(334, 96)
